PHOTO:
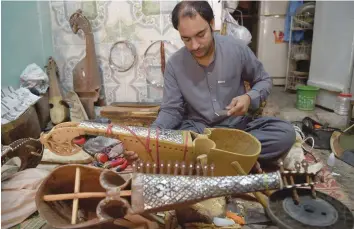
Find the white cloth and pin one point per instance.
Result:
(296, 154)
(233, 28)
(15, 103)
(34, 77)
(18, 196)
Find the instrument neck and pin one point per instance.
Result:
(90, 49)
(168, 188)
(54, 89)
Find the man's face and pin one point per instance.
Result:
(196, 35)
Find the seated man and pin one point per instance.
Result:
(204, 84)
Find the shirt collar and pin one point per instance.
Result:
(215, 49)
(215, 46)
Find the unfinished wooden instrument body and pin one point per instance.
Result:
(59, 110)
(220, 146)
(29, 150)
(78, 196)
(136, 114)
(86, 75)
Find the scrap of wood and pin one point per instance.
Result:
(82, 195)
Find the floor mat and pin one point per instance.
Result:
(330, 186)
(32, 222)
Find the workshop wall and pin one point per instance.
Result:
(140, 22)
(25, 38)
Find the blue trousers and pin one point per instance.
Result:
(276, 136)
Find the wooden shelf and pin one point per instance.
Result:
(300, 73)
(300, 29)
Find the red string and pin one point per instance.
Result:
(117, 162)
(185, 147)
(157, 147)
(122, 166)
(136, 136)
(148, 142)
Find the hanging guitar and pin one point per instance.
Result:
(59, 110)
(86, 76)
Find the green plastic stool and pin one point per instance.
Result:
(306, 97)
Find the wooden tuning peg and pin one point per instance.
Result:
(212, 168)
(183, 168)
(154, 168)
(205, 170)
(190, 169)
(197, 168)
(161, 168)
(298, 166)
(169, 164)
(176, 168)
(147, 167)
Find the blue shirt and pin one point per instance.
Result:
(198, 93)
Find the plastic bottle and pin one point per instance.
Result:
(342, 104)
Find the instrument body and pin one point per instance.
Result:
(86, 75)
(103, 196)
(59, 111)
(131, 114)
(220, 146)
(62, 180)
(28, 150)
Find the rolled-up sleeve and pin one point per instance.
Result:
(172, 107)
(254, 73)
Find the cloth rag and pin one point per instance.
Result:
(18, 196)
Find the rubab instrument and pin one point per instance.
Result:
(86, 76)
(221, 146)
(59, 110)
(78, 196)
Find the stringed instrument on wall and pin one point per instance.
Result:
(59, 110)
(86, 76)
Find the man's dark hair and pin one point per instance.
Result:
(191, 9)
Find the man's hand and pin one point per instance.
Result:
(239, 105)
(257, 168)
(131, 156)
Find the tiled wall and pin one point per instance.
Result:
(140, 22)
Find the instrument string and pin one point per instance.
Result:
(148, 150)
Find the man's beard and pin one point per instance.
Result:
(206, 50)
(203, 52)
(200, 53)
